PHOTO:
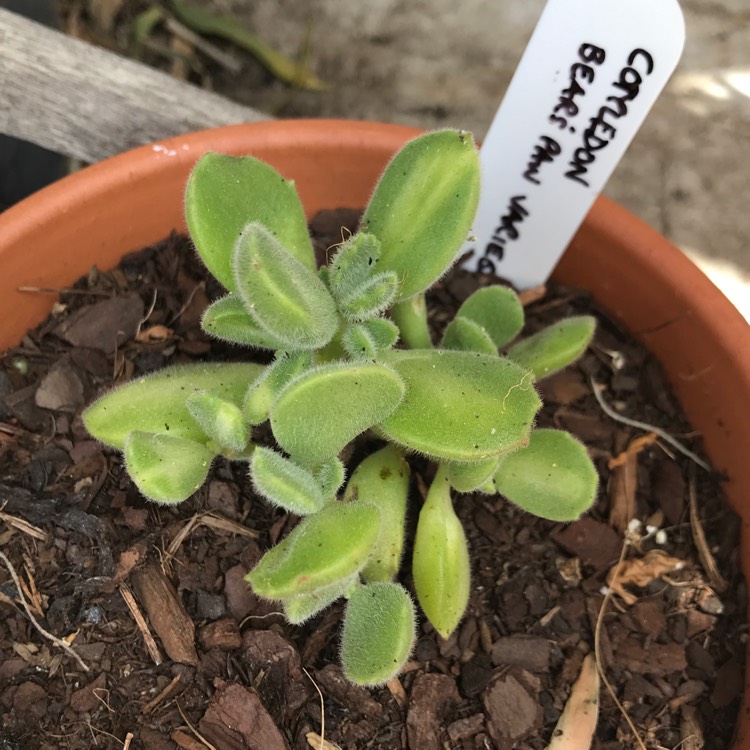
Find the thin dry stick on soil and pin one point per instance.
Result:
(64, 645)
(597, 650)
(193, 729)
(140, 622)
(321, 737)
(699, 537)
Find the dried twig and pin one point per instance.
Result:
(64, 645)
(396, 689)
(699, 537)
(154, 702)
(226, 60)
(128, 739)
(193, 729)
(212, 520)
(597, 650)
(665, 436)
(322, 736)
(24, 526)
(140, 621)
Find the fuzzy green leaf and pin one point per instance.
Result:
(379, 627)
(165, 468)
(225, 193)
(229, 320)
(220, 419)
(423, 207)
(441, 566)
(468, 477)
(264, 389)
(553, 477)
(284, 297)
(554, 347)
(460, 406)
(330, 476)
(157, 402)
(328, 547)
(364, 340)
(353, 264)
(465, 335)
(498, 310)
(319, 412)
(382, 480)
(300, 608)
(370, 298)
(284, 483)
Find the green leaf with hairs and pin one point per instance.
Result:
(229, 320)
(353, 263)
(370, 298)
(283, 297)
(226, 193)
(220, 419)
(423, 208)
(330, 476)
(465, 335)
(553, 477)
(157, 402)
(263, 390)
(378, 636)
(470, 476)
(382, 480)
(326, 548)
(460, 406)
(441, 566)
(554, 347)
(300, 608)
(364, 340)
(285, 483)
(497, 310)
(325, 408)
(165, 468)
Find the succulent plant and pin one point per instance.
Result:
(353, 353)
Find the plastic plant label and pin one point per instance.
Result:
(589, 76)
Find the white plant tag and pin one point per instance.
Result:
(588, 78)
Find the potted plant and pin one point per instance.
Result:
(135, 199)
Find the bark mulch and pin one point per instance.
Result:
(179, 653)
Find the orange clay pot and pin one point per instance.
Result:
(132, 200)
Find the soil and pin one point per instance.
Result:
(179, 651)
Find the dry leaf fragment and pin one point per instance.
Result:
(624, 482)
(640, 572)
(577, 723)
(153, 333)
(318, 743)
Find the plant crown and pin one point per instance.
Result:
(338, 372)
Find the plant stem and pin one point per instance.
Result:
(411, 318)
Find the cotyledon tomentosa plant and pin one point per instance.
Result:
(336, 373)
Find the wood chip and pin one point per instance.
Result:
(237, 720)
(166, 613)
(318, 743)
(132, 605)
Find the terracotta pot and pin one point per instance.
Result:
(135, 199)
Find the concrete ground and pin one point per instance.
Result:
(439, 63)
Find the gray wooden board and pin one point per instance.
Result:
(82, 101)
